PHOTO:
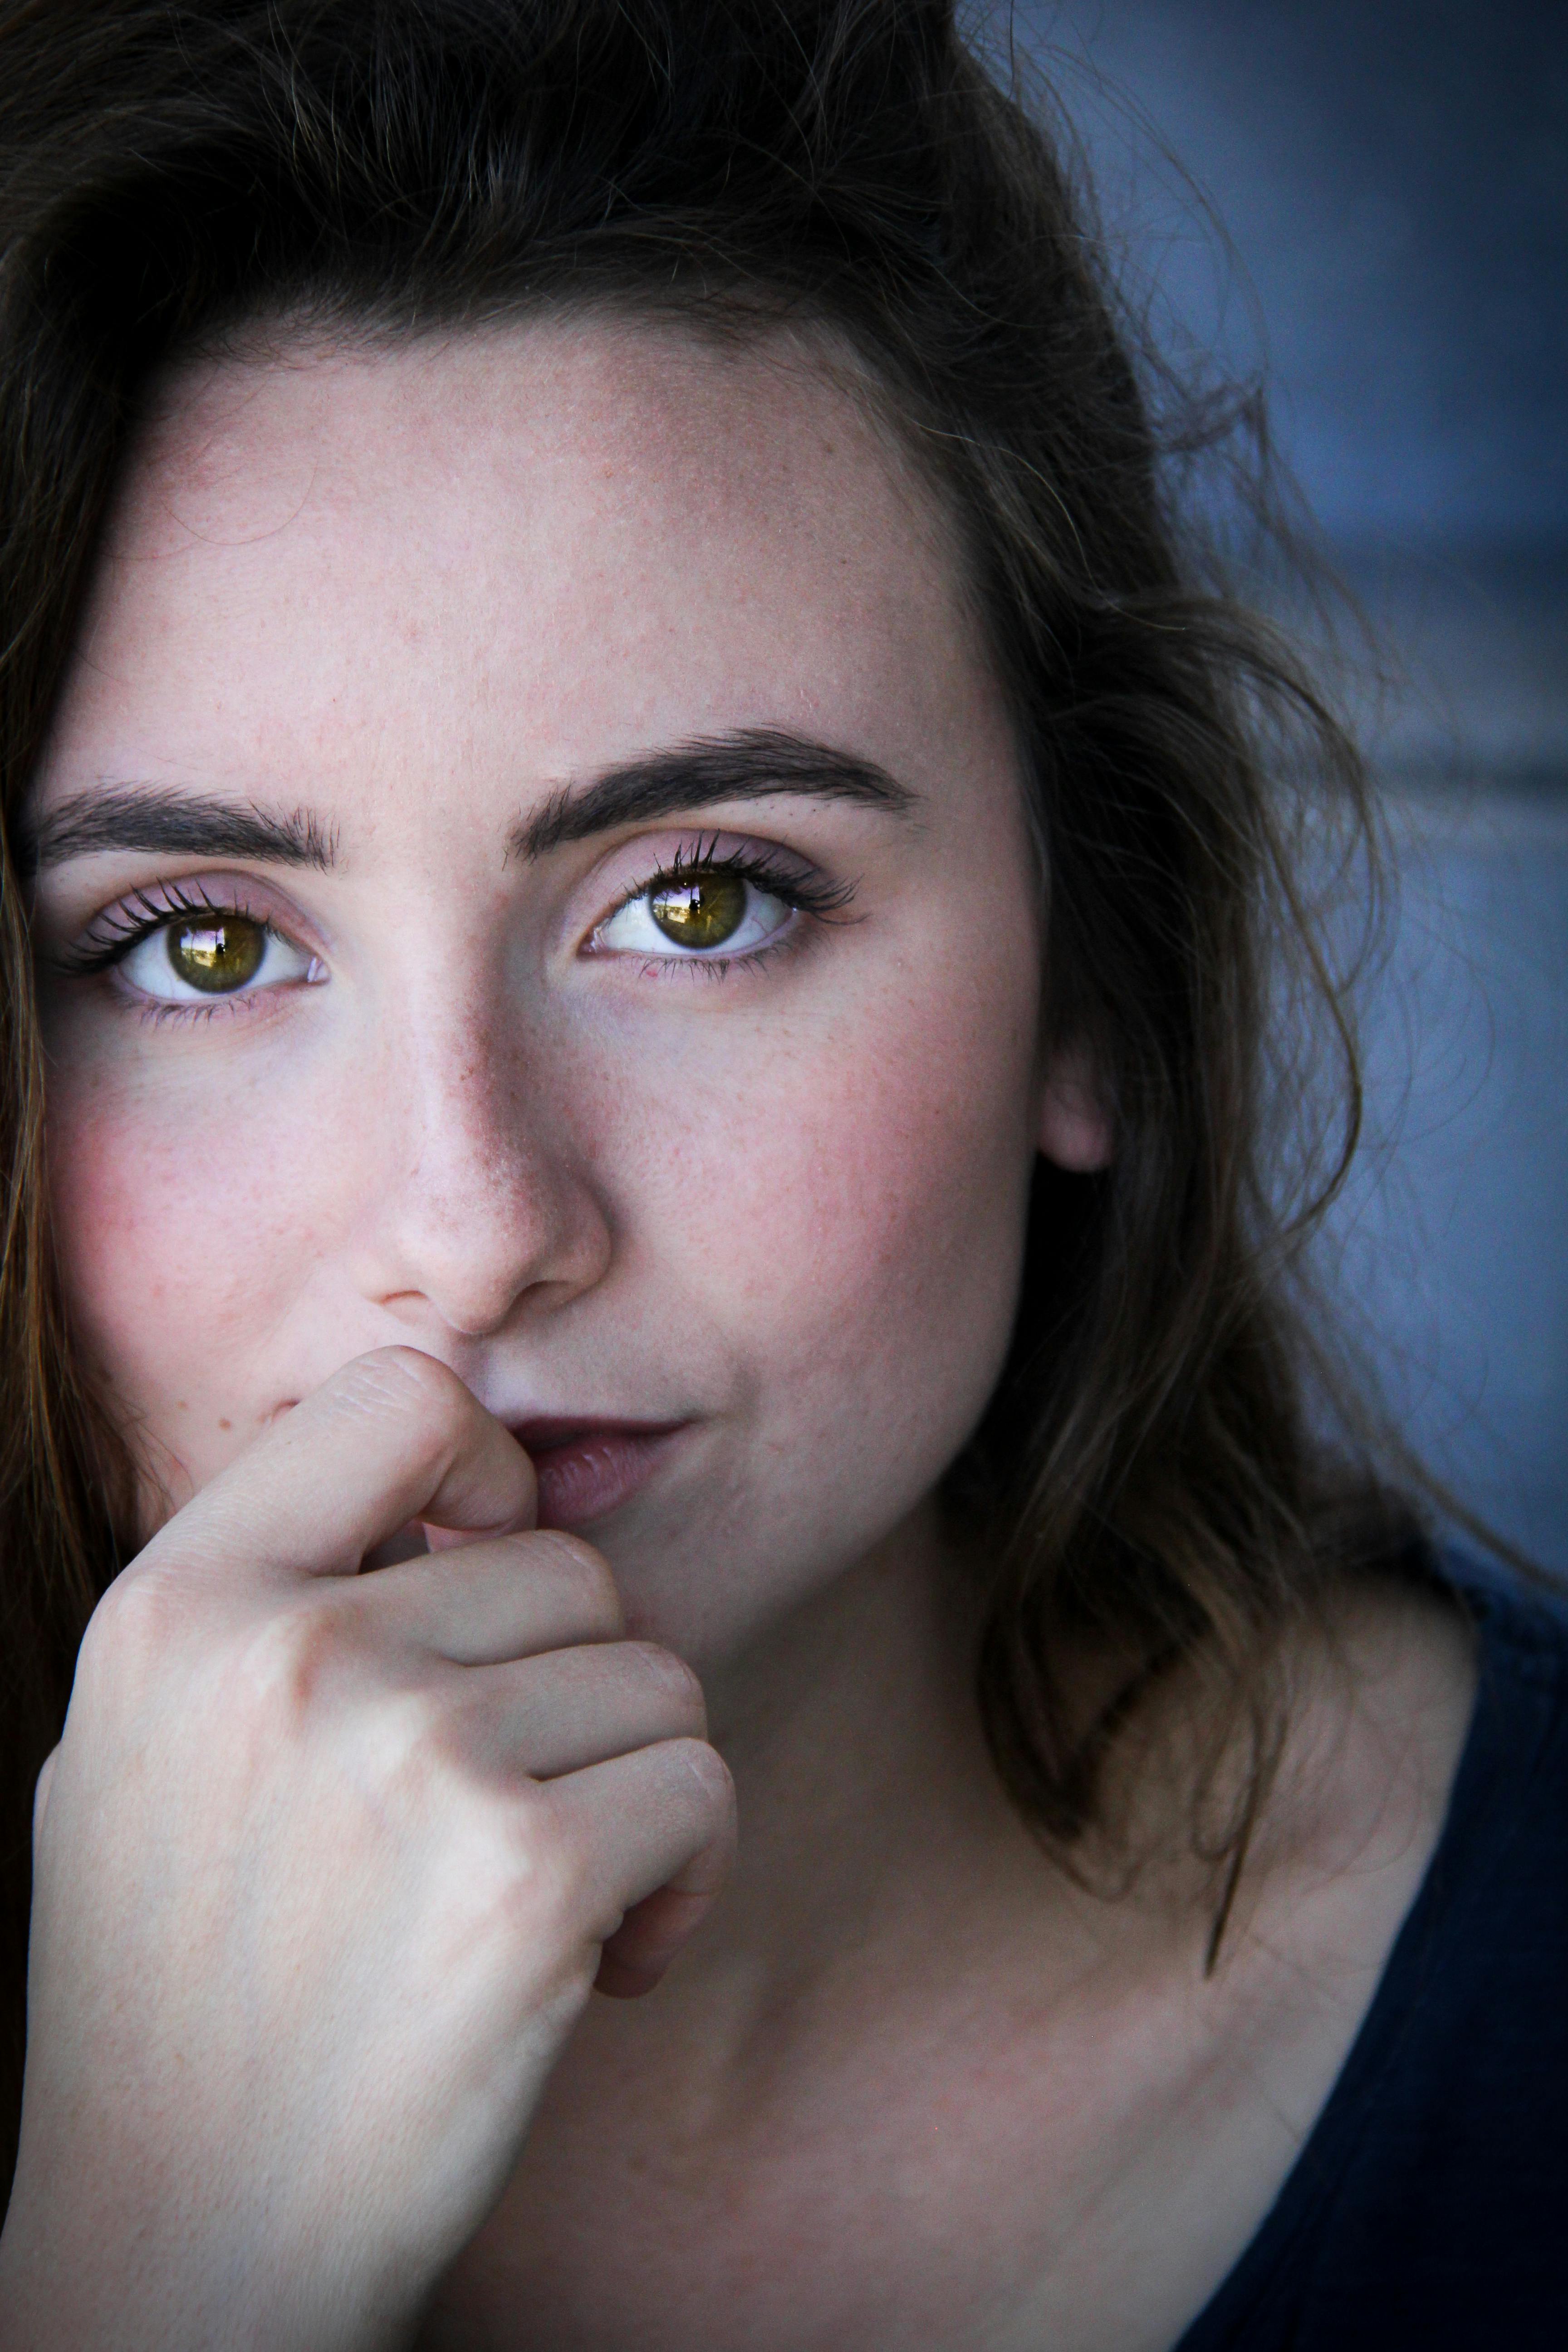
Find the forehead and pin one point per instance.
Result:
(586, 535)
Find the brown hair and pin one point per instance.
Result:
(175, 169)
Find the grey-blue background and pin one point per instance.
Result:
(1392, 176)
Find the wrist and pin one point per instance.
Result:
(135, 2289)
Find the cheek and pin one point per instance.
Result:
(852, 1222)
(900, 1221)
(181, 1229)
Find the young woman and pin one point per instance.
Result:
(652, 961)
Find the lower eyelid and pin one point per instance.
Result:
(120, 974)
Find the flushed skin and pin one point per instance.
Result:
(778, 1210)
(456, 581)
(777, 1216)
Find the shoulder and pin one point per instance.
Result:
(1498, 1883)
(1427, 2204)
(1453, 2194)
(1449, 1730)
(1522, 1625)
(1496, 1901)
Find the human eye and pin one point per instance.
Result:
(711, 909)
(174, 948)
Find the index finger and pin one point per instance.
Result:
(392, 1436)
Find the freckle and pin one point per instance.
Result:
(181, 1405)
(226, 1424)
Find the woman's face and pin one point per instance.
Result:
(582, 923)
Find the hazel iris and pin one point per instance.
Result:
(701, 911)
(218, 954)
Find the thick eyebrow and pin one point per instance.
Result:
(151, 816)
(746, 766)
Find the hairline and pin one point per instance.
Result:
(739, 318)
(733, 316)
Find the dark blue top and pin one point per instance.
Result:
(1428, 2209)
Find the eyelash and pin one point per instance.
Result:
(143, 913)
(806, 894)
(128, 930)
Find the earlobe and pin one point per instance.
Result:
(1075, 1130)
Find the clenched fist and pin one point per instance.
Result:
(326, 1866)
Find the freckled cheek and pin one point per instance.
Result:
(906, 1228)
(179, 1232)
(853, 1224)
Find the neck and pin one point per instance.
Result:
(869, 1810)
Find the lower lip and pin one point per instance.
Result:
(589, 1477)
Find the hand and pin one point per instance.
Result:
(325, 1867)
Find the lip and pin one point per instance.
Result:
(587, 1468)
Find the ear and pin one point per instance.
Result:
(1075, 1124)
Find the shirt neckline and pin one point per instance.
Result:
(1493, 1761)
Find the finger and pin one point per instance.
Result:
(635, 1955)
(555, 1715)
(654, 1825)
(633, 1960)
(508, 1598)
(391, 1437)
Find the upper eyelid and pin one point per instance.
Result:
(117, 967)
(766, 861)
(707, 848)
(144, 907)
(148, 905)
(163, 902)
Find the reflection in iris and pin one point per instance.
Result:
(701, 911)
(217, 955)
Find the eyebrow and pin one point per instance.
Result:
(142, 816)
(752, 764)
(749, 765)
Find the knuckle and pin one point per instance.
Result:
(547, 1880)
(134, 1622)
(156, 1653)
(114, 1617)
(285, 1660)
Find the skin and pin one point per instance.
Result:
(419, 594)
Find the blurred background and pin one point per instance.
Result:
(1392, 183)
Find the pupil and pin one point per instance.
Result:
(217, 955)
(702, 912)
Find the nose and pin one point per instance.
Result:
(481, 1209)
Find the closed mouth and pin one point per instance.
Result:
(586, 1469)
(542, 1436)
